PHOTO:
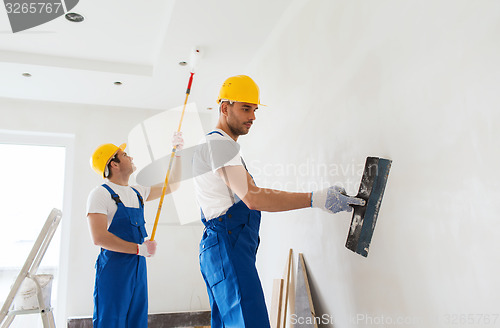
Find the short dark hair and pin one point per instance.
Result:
(113, 159)
(229, 102)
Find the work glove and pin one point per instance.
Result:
(335, 199)
(147, 249)
(178, 141)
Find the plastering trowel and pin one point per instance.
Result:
(364, 217)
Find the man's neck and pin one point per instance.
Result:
(121, 181)
(226, 129)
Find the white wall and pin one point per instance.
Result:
(175, 283)
(413, 81)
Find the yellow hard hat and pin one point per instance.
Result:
(240, 88)
(102, 155)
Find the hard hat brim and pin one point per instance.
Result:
(249, 102)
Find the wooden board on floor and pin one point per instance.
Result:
(276, 303)
(286, 277)
(304, 308)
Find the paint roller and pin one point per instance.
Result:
(195, 54)
(364, 218)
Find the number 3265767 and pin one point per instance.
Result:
(33, 8)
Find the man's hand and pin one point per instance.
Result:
(177, 141)
(335, 199)
(147, 249)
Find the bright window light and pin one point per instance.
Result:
(32, 179)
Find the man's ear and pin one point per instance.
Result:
(113, 164)
(223, 108)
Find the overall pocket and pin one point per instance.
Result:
(211, 260)
(136, 218)
(102, 261)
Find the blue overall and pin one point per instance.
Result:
(121, 291)
(228, 251)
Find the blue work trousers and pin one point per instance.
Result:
(121, 291)
(227, 262)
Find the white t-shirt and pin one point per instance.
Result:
(100, 201)
(216, 150)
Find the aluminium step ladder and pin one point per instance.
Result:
(28, 271)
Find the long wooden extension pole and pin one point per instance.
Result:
(172, 156)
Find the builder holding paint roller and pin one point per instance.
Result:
(115, 213)
(231, 204)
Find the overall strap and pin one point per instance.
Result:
(114, 195)
(244, 164)
(117, 199)
(215, 132)
(139, 196)
(203, 218)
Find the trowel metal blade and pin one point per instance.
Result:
(364, 218)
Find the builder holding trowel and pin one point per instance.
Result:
(231, 204)
(115, 213)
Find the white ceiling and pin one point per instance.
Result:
(140, 44)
